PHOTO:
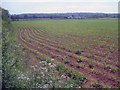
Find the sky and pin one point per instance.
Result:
(60, 6)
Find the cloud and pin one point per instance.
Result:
(60, 1)
(52, 7)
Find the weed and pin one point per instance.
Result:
(78, 66)
(66, 61)
(79, 60)
(113, 70)
(97, 85)
(91, 56)
(60, 68)
(108, 66)
(91, 65)
(78, 52)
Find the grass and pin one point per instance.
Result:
(100, 30)
(77, 27)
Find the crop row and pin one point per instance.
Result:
(95, 52)
(43, 50)
(85, 54)
(100, 66)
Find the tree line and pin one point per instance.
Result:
(62, 16)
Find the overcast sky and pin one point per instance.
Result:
(60, 6)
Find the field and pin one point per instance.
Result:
(88, 47)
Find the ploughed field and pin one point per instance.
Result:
(89, 47)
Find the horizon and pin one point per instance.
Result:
(64, 13)
(52, 6)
